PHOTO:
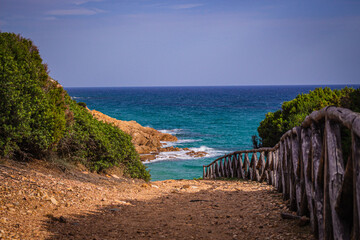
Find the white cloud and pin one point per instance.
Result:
(78, 11)
(186, 6)
(80, 2)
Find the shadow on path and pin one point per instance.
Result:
(216, 213)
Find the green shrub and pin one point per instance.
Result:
(293, 112)
(82, 104)
(39, 119)
(32, 113)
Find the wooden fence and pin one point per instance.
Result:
(315, 166)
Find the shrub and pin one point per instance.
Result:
(39, 119)
(32, 113)
(82, 104)
(293, 112)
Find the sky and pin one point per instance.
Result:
(114, 43)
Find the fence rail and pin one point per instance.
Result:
(316, 166)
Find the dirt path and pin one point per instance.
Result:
(44, 204)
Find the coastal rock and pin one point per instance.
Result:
(170, 149)
(148, 142)
(145, 139)
(196, 154)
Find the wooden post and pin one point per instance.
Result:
(317, 157)
(295, 146)
(356, 184)
(336, 174)
(306, 147)
(246, 166)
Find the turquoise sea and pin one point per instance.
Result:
(217, 120)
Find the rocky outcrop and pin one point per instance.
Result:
(145, 139)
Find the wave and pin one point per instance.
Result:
(172, 131)
(180, 141)
(182, 154)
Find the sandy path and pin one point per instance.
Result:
(38, 204)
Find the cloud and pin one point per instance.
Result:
(77, 11)
(186, 6)
(80, 2)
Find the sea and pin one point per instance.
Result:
(217, 120)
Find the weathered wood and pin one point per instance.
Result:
(307, 163)
(240, 170)
(217, 170)
(295, 146)
(317, 156)
(336, 175)
(246, 166)
(261, 167)
(355, 149)
(307, 166)
(328, 231)
(254, 173)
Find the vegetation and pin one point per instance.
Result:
(38, 119)
(293, 112)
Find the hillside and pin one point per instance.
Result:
(39, 120)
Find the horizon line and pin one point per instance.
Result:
(255, 85)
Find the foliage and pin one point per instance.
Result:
(82, 104)
(293, 112)
(32, 115)
(98, 145)
(39, 119)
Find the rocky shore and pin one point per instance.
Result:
(148, 141)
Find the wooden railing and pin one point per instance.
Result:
(317, 172)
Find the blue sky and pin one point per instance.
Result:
(191, 42)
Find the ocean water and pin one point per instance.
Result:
(217, 120)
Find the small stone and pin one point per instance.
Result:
(145, 185)
(53, 201)
(186, 186)
(115, 209)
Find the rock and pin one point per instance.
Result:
(53, 201)
(196, 154)
(147, 157)
(145, 139)
(115, 209)
(170, 149)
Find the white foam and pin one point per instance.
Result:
(180, 141)
(182, 154)
(171, 131)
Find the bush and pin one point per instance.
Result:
(293, 112)
(39, 119)
(32, 113)
(82, 104)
